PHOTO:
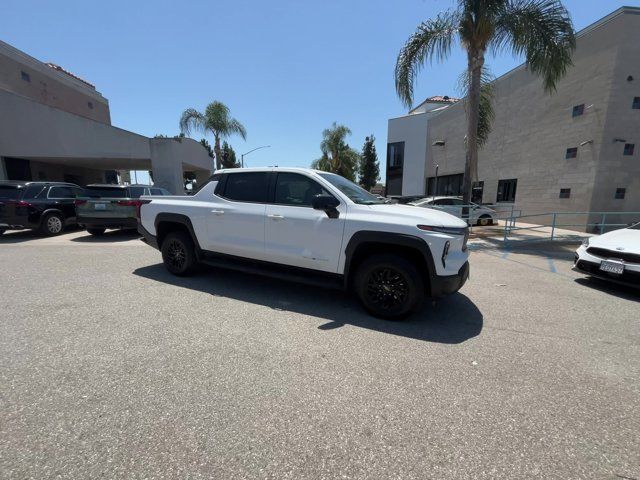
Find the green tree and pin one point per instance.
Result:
(216, 120)
(337, 156)
(207, 147)
(229, 156)
(369, 166)
(541, 30)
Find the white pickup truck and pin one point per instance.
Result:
(313, 227)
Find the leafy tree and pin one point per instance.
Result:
(541, 30)
(337, 156)
(229, 156)
(369, 166)
(216, 120)
(207, 146)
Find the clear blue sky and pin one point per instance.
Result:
(286, 68)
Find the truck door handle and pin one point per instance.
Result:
(276, 217)
(217, 212)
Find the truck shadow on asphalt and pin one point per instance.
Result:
(110, 236)
(451, 320)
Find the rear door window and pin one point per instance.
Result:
(247, 187)
(62, 192)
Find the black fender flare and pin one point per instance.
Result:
(179, 219)
(390, 238)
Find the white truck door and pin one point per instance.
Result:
(295, 233)
(235, 222)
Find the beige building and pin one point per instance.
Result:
(56, 126)
(574, 151)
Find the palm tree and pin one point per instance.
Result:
(541, 30)
(333, 143)
(215, 119)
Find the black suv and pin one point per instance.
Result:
(47, 207)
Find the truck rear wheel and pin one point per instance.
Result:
(389, 286)
(178, 253)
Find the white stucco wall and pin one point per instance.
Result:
(411, 129)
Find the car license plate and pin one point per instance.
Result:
(100, 206)
(612, 267)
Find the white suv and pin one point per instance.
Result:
(314, 227)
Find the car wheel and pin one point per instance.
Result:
(96, 231)
(485, 220)
(52, 224)
(389, 286)
(178, 253)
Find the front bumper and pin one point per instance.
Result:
(629, 277)
(147, 237)
(99, 222)
(446, 285)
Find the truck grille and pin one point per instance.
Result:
(604, 253)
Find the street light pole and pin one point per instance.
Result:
(247, 153)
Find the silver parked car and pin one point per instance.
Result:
(479, 215)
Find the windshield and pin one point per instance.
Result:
(355, 193)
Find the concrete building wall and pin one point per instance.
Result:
(412, 130)
(48, 86)
(533, 130)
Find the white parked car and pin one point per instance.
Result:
(613, 256)
(314, 227)
(480, 215)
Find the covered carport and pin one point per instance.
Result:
(55, 145)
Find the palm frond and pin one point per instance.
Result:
(542, 31)
(486, 111)
(236, 127)
(431, 41)
(192, 119)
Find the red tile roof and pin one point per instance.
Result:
(60, 69)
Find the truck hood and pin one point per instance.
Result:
(418, 215)
(625, 239)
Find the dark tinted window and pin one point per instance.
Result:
(157, 191)
(62, 192)
(33, 191)
(247, 187)
(571, 153)
(9, 193)
(136, 192)
(565, 192)
(636, 103)
(295, 189)
(507, 190)
(620, 193)
(105, 192)
(629, 148)
(578, 110)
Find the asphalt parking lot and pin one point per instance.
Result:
(112, 368)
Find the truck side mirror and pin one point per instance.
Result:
(327, 203)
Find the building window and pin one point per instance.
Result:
(507, 190)
(25, 76)
(448, 185)
(620, 193)
(90, 105)
(565, 192)
(578, 110)
(477, 188)
(571, 152)
(629, 148)
(395, 155)
(636, 103)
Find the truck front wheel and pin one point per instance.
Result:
(389, 286)
(178, 253)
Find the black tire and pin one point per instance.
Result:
(484, 220)
(178, 253)
(96, 231)
(389, 286)
(52, 224)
